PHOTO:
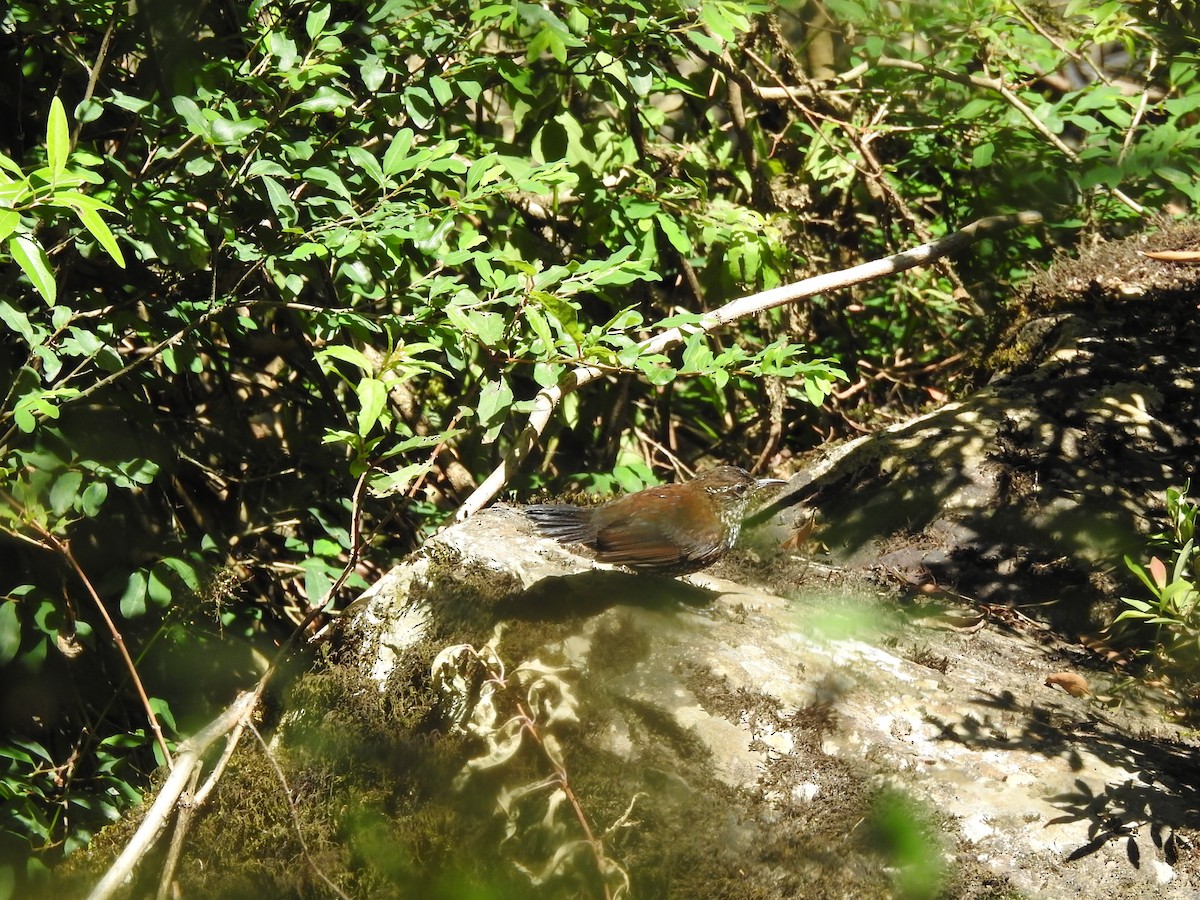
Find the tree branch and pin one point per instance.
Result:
(548, 399)
(190, 756)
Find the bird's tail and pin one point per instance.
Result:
(563, 522)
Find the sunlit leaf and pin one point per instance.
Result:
(33, 261)
(58, 138)
(372, 395)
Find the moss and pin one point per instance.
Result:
(372, 783)
(617, 646)
(464, 591)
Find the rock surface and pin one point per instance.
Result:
(790, 722)
(1029, 491)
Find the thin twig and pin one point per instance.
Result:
(187, 809)
(98, 66)
(63, 549)
(547, 400)
(1061, 46)
(291, 804)
(1010, 97)
(1143, 101)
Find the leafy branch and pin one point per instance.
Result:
(549, 398)
(178, 794)
(46, 540)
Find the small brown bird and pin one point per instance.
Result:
(672, 529)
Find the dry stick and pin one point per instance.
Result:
(194, 800)
(97, 67)
(991, 84)
(1143, 100)
(547, 399)
(190, 755)
(190, 808)
(1060, 45)
(187, 809)
(874, 174)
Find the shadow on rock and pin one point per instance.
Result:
(562, 597)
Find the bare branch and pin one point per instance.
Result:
(190, 755)
(547, 399)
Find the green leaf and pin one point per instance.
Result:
(367, 162)
(64, 492)
(348, 354)
(540, 327)
(162, 709)
(185, 571)
(388, 483)
(1141, 573)
(231, 131)
(192, 116)
(157, 590)
(139, 471)
(314, 24)
(316, 580)
(372, 395)
(10, 631)
(284, 48)
(656, 368)
(396, 156)
(442, 91)
(285, 209)
(133, 601)
(495, 400)
(32, 259)
(712, 15)
(100, 231)
(331, 179)
(325, 100)
(816, 390)
(562, 312)
(697, 355)
(58, 139)
(373, 72)
(9, 220)
(17, 321)
(676, 235)
(706, 43)
(419, 105)
(93, 498)
(7, 162)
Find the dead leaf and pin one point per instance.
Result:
(801, 534)
(1172, 255)
(1071, 682)
(68, 645)
(1158, 571)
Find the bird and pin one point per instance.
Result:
(671, 529)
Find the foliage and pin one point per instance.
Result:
(49, 186)
(1173, 641)
(285, 246)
